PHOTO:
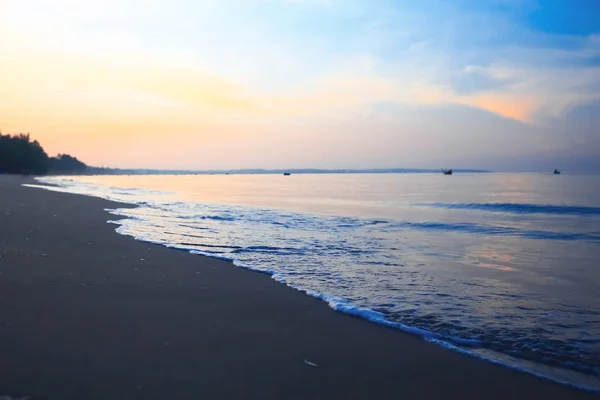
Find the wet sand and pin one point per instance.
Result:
(86, 313)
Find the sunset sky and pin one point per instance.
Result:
(198, 84)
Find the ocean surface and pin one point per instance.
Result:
(504, 267)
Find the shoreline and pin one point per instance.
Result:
(261, 344)
(374, 317)
(566, 377)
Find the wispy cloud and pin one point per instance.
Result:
(141, 69)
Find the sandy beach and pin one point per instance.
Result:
(86, 313)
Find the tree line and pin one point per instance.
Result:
(21, 155)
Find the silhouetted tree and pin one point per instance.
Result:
(65, 164)
(20, 155)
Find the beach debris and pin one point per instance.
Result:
(142, 259)
(44, 255)
(310, 363)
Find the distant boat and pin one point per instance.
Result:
(447, 171)
(556, 172)
(286, 174)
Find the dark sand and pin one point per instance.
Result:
(86, 313)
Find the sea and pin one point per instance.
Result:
(502, 267)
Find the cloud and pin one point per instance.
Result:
(407, 75)
(533, 85)
(541, 94)
(269, 76)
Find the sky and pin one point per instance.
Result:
(508, 85)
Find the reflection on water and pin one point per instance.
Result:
(486, 258)
(502, 265)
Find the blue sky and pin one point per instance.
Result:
(351, 83)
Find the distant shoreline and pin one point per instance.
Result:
(258, 171)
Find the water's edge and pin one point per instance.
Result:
(335, 303)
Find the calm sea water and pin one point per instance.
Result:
(502, 266)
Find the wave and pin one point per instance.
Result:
(470, 346)
(519, 208)
(498, 231)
